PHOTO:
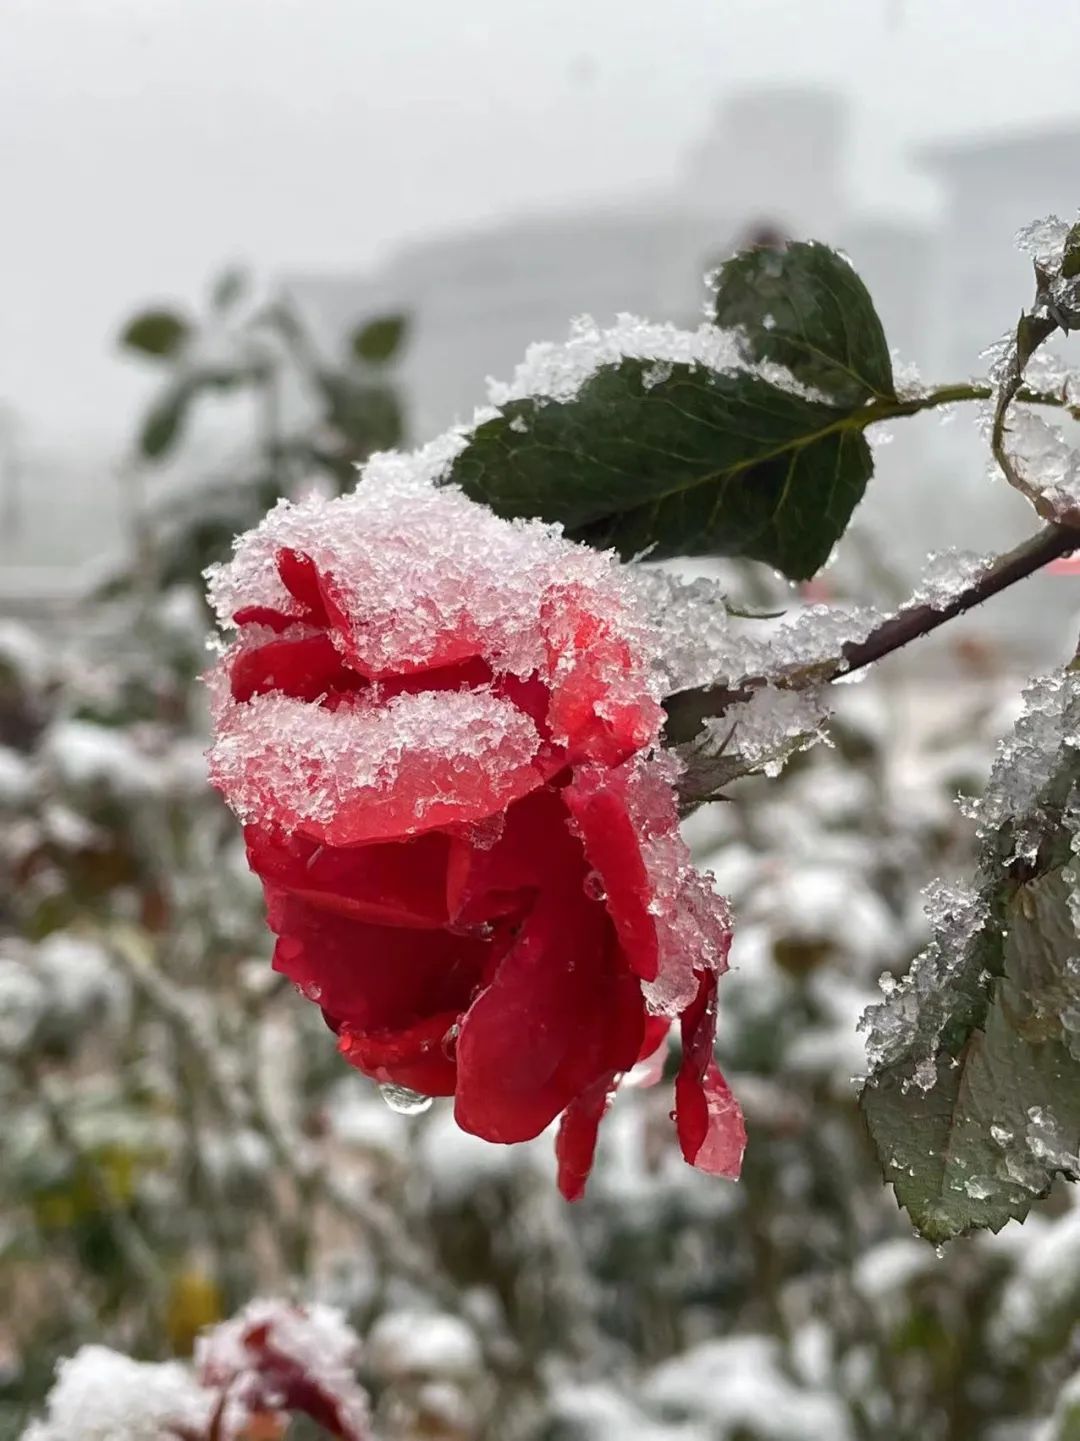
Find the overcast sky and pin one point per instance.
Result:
(142, 142)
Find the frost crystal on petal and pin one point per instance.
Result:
(408, 566)
(352, 773)
(692, 921)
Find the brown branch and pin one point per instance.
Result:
(688, 710)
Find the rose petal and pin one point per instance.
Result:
(420, 1057)
(394, 883)
(300, 577)
(363, 772)
(369, 977)
(276, 620)
(597, 799)
(305, 668)
(601, 708)
(652, 1058)
(575, 1145)
(630, 823)
(708, 1119)
(560, 1013)
(533, 848)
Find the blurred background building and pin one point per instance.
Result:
(778, 158)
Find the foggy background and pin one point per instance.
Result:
(496, 169)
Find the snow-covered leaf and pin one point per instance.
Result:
(804, 307)
(677, 459)
(973, 1100)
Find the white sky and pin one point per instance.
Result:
(143, 142)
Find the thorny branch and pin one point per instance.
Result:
(688, 710)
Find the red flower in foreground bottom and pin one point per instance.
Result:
(438, 729)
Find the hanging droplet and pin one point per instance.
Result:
(402, 1100)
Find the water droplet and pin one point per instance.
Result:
(593, 886)
(402, 1100)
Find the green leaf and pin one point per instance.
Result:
(368, 416)
(228, 287)
(379, 340)
(804, 307)
(164, 421)
(158, 333)
(975, 1104)
(675, 459)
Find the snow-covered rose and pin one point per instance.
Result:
(440, 730)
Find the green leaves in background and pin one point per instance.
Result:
(367, 417)
(379, 340)
(229, 286)
(805, 308)
(160, 334)
(678, 459)
(163, 423)
(975, 1105)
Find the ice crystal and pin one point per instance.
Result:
(431, 754)
(947, 574)
(697, 643)
(402, 1100)
(558, 370)
(1047, 731)
(764, 731)
(1047, 467)
(1043, 239)
(411, 566)
(692, 923)
(913, 1014)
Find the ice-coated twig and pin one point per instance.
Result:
(1052, 245)
(688, 710)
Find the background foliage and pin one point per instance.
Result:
(179, 1135)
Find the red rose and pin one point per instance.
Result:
(438, 729)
